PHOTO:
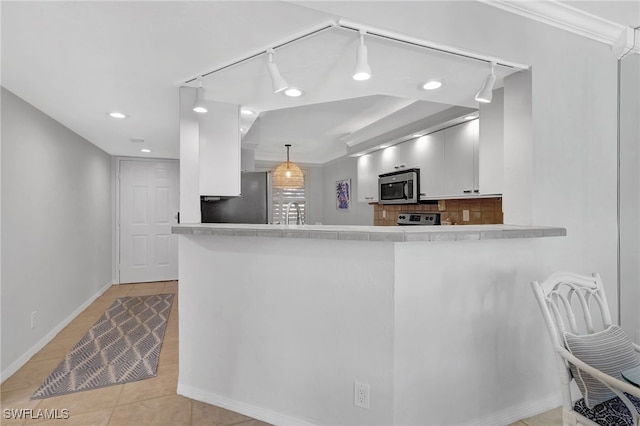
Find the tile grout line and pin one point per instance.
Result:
(116, 404)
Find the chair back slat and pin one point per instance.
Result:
(568, 297)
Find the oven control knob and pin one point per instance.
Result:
(400, 217)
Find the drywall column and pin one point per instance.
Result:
(517, 202)
(491, 153)
(189, 158)
(629, 203)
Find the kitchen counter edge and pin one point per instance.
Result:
(372, 233)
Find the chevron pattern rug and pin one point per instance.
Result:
(122, 346)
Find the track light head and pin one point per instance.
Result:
(485, 94)
(362, 71)
(278, 82)
(200, 106)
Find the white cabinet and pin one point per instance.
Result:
(447, 159)
(219, 135)
(429, 152)
(461, 159)
(368, 171)
(370, 166)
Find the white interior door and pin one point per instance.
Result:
(149, 199)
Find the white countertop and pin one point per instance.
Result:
(372, 233)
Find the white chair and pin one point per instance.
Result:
(593, 353)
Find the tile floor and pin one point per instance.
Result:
(147, 402)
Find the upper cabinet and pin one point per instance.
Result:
(449, 163)
(369, 167)
(220, 150)
(461, 159)
(427, 154)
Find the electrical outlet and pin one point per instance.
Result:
(361, 394)
(34, 319)
(465, 215)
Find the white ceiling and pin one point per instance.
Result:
(77, 61)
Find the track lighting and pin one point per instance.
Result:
(279, 83)
(362, 70)
(200, 106)
(486, 91)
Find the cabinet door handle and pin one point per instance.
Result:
(476, 191)
(467, 191)
(368, 198)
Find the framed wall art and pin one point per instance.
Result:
(343, 194)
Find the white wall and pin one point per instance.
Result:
(360, 213)
(56, 227)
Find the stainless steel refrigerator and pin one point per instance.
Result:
(252, 206)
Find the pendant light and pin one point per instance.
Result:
(200, 106)
(288, 175)
(278, 82)
(486, 91)
(362, 71)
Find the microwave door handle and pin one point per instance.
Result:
(406, 190)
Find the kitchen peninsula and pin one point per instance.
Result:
(293, 316)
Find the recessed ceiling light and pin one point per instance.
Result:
(246, 111)
(145, 150)
(116, 114)
(384, 146)
(417, 135)
(242, 129)
(293, 92)
(470, 117)
(432, 85)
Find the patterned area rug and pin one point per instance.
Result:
(122, 346)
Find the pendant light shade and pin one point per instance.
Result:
(200, 106)
(486, 91)
(278, 82)
(288, 175)
(362, 70)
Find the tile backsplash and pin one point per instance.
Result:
(481, 211)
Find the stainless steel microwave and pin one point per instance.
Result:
(402, 187)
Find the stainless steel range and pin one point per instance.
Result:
(413, 218)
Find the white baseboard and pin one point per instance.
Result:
(522, 411)
(17, 364)
(258, 413)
